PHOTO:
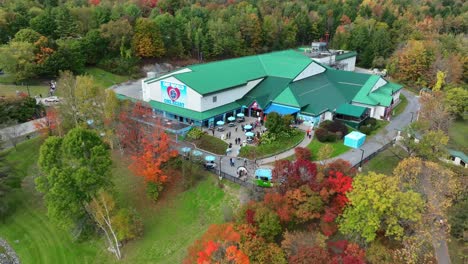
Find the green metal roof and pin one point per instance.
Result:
(345, 55)
(459, 154)
(326, 91)
(351, 110)
(287, 97)
(195, 114)
(265, 91)
(381, 96)
(220, 75)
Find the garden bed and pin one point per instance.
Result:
(280, 145)
(211, 144)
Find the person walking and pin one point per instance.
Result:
(236, 128)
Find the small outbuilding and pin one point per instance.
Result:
(354, 139)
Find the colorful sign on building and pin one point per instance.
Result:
(173, 93)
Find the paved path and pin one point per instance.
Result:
(15, 134)
(387, 134)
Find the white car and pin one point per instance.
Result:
(52, 99)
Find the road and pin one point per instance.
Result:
(17, 133)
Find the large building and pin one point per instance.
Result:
(287, 82)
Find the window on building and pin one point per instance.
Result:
(215, 98)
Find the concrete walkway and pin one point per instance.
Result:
(387, 134)
(15, 134)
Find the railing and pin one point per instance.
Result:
(375, 153)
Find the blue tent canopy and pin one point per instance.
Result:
(265, 173)
(281, 109)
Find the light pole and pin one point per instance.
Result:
(220, 162)
(362, 157)
(412, 114)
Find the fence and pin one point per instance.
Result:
(375, 153)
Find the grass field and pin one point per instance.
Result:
(338, 148)
(273, 148)
(170, 225)
(10, 90)
(401, 106)
(104, 78)
(458, 136)
(211, 144)
(384, 162)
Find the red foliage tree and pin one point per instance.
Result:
(310, 255)
(342, 166)
(291, 175)
(131, 130)
(49, 124)
(302, 153)
(279, 204)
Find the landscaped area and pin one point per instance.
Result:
(211, 144)
(385, 162)
(275, 147)
(170, 225)
(338, 148)
(34, 90)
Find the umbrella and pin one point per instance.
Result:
(248, 127)
(197, 153)
(240, 115)
(231, 118)
(220, 123)
(185, 149)
(249, 134)
(210, 158)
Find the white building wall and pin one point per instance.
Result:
(228, 96)
(311, 70)
(152, 91)
(350, 64)
(328, 116)
(381, 82)
(379, 112)
(396, 96)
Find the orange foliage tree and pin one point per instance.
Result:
(155, 152)
(49, 125)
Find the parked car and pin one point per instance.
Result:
(52, 99)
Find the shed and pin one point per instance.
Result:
(354, 139)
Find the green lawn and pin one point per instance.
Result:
(171, 225)
(401, 106)
(458, 135)
(105, 79)
(10, 90)
(211, 144)
(28, 230)
(338, 148)
(385, 161)
(278, 146)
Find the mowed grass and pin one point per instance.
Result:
(385, 162)
(459, 136)
(104, 78)
(338, 148)
(278, 146)
(170, 225)
(10, 90)
(401, 106)
(28, 230)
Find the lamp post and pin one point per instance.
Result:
(362, 157)
(412, 114)
(220, 162)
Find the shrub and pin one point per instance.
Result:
(331, 137)
(324, 124)
(195, 133)
(302, 153)
(321, 134)
(371, 121)
(338, 126)
(153, 190)
(366, 129)
(122, 66)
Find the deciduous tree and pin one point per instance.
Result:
(377, 204)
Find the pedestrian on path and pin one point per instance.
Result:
(212, 131)
(236, 128)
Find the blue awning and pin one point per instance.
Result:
(281, 109)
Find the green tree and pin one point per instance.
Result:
(147, 41)
(68, 56)
(5, 189)
(456, 102)
(66, 25)
(27, 35)
(74, 169)
(17, 58)
(268, 223)
(44, 24)
(377, 204)
(119, 33)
